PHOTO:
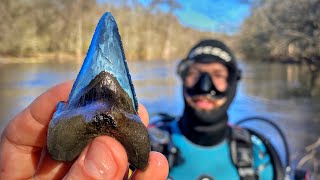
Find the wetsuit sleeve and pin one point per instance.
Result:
(262, 160)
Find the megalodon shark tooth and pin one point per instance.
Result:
(102, 102)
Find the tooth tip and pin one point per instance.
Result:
(105, 54)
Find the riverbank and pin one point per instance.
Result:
(65, 57)
(53, 58)
(43, 58)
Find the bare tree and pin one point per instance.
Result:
(65, 27)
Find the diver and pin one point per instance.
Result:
(200, 145)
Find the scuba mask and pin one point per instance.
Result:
(205, 86)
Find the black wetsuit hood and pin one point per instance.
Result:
(208, 128)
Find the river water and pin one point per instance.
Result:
(266, 90)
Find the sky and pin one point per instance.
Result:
(212, 15)
(208, 15)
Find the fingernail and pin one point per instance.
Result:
(99, 162)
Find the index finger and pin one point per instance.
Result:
(24, 137)
(143, 114)
(29, 127)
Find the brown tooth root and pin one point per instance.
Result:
(135, 138)
(70, 136)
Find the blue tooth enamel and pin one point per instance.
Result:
(105, 54)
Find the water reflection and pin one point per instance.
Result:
(279, 81)
(157, 86)
(21, 83)
(266, 90)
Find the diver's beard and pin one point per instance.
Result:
(205, 117)
(205, 102)
(205, 128)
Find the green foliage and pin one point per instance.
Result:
(282, 30)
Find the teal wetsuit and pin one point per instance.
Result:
(201, 162)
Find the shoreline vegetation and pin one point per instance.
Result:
(43, 58)
(67, 58)
(37, 28)
(37, 31)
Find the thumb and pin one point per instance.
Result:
(103, 158)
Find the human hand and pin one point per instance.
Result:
(23, 153)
